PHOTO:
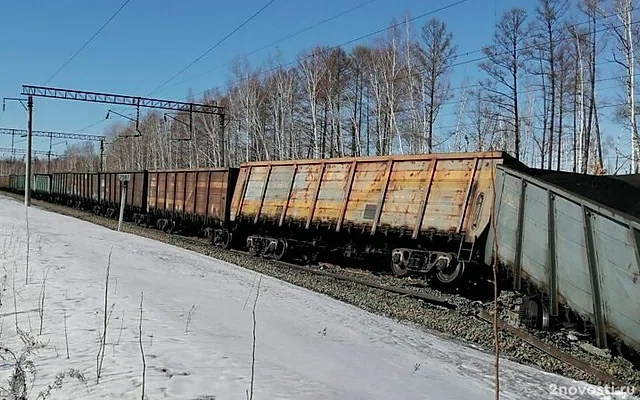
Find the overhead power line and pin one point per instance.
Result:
(87, 42)
(290, 36)
(327, 50)
(451, 5)
(212, 47)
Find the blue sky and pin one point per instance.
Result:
(150, 41)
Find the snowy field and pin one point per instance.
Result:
(197, 328)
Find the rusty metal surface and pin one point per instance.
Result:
(554, 351)
(412, 157)
(4, 181)
(110, 187)
(200, 192)
(218, 187)
(441, 192)
(179, 191)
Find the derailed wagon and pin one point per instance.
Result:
(425, 213)
(572, 243)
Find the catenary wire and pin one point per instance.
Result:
(87, 42)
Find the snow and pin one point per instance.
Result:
(308, 346)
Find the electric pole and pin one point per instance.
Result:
(27, 177)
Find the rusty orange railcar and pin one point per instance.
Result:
(424, 211)
(4, 182)
(194, 200)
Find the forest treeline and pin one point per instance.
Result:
(538, 96)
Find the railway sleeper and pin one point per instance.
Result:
(445, 266)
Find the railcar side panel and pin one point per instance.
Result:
(277, 192)
(447, 195)
(332, 194)
(161, 199)
(238, 193)
(152, 194)
(574, 282)
(408, 183)
(253, 193)
(364, 193)
(95, 187)
(179, 191)
(441, 192)
(302, 192)
(593, 248)
(217, 195)
(190, 192)
(42, 183)
(202, 192)
(535, 231)
(615, 244)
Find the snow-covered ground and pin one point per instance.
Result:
(308, 346)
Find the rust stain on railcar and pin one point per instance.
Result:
(238, 193)
(178, 196)
(161, 202)
(152, 191)
(446, 201)
(137, 189)
(333, 190)
(202, 193)
(253, 193)
(445, 192)
(363, 199)
(190, 192)
(277, 192)
(302, 192)
(217, 195)
(170, 193)
(407, 185)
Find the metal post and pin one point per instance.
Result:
(102, 156)
(123, 199)
(223, 161)
(27, 175)
(49, 154)
(13, 152)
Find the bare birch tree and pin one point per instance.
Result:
(625, 56)
(505, 65)
(438, 55)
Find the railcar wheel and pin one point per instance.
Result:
(399, 270)
(281, 250)
(452, 273)
(227, 238)
(398, 263)
(534, 314)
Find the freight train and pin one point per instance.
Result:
(570, 242)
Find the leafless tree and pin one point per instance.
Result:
(505, 66)
(438, 55)
(626, 57)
